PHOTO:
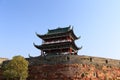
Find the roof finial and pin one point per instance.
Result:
(29, 56)
(69, 26)
(36, 33)
(72, 27)
(33, 43)
(48, 29)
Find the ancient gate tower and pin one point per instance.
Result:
(58, 41)
(59, 60)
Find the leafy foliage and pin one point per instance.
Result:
(16, 68)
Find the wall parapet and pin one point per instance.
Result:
(71, 59)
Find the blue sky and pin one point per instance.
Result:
(96, 21)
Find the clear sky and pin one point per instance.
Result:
(96, 21)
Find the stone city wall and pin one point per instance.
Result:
(74, 68)
(74, 72)
(0, 74)
(1, 61)
(71, 59)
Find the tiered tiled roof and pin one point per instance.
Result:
(58, 41)
(58, 30)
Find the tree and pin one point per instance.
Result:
(16, 68)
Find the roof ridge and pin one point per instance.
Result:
(59, 30)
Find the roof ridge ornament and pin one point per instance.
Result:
(48, 29)
(79, 37)
(72, 27)
(29, 56)
(36, 33)
(69, 26)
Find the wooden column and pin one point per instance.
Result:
(70, 50)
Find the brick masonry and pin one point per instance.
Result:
(74, 72)
(0, 74)
(74, 68)
(1, 61)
